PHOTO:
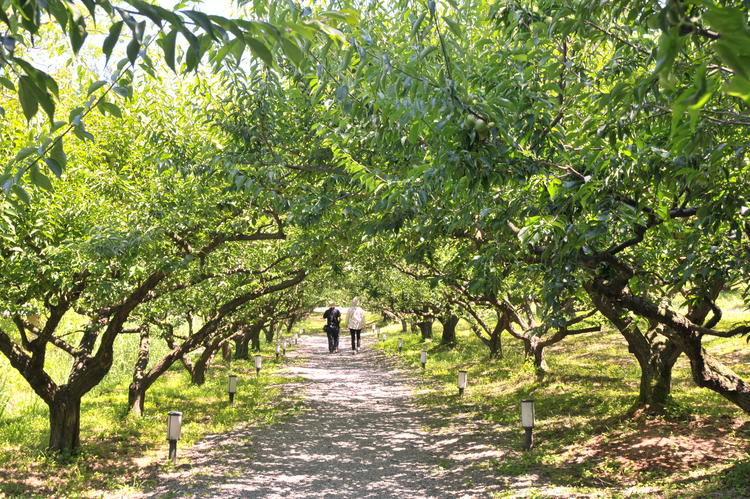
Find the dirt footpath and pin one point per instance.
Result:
(360, 435)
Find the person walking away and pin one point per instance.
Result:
(355, 321)
(332, 317)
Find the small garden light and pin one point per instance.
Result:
(232, 387)
(400, 345)
(383, 337)
(463, 378)
(423, 358)
(278, 351)
(258, 364)
(527, 421)
(174, 422)
(283, 348)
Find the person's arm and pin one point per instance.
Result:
(348, 317)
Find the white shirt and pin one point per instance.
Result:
(355, 318)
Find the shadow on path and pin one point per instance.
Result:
(360, 435)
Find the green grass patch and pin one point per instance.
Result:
(120, 452)
(587, 438)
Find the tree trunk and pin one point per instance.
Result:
(242, 345)
(495, 344)
(255, 334)
(425, 327)
(270, 334)
(136, 395)
(449, 322)
(404, 328)
(226, 352)
(201, 365)
(656, 355)
(65, 421)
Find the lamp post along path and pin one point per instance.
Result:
(174, 424)
(258, 365)
(527, 421)
(463, 378)
(232, 387)
(423, 359)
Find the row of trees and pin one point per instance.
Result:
(545, 162)
(550, 161)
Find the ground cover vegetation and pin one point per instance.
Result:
(549, 170)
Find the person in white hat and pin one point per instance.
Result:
(332, 317)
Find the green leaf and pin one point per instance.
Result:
(739, 87)
(201, 20)
(739, 64)
(167, 44)
(54, 166)
(669, 45)
(259, 49)
(111, 40)
(110, 108)
(7, 84)
(77, 33)
(25, 153)
(38, 178)
(292, 51)
(95, 86)
(147, 10)
(133, 48)
(27, 96)
(123, 91)
(427, 51)
(58, 154)
(18, 191)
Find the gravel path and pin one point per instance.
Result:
(360, 435)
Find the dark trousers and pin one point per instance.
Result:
(333, 339)
(355, 335)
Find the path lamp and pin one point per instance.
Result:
(383, 337)
(527, 421)
(174, 422)
(463, 378)
(232, 387)
(283, 348)
(278, 351)
(400, 345)
(258, 365)
(423, 359)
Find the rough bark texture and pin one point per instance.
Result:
(226, 352)
(449, 322)
(656, 355)
(425, 328)
(707, 371)
(204, 360)
(65, 421)
(242, 345)
(136, 395)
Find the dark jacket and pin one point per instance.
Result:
(333, 317)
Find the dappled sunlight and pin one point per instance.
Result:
(359, 435)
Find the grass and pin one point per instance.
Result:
(586, 441)
(121, 452)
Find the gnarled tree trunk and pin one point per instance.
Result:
(425, 328)
(65, 420)
(449, 322)
(135, 395)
